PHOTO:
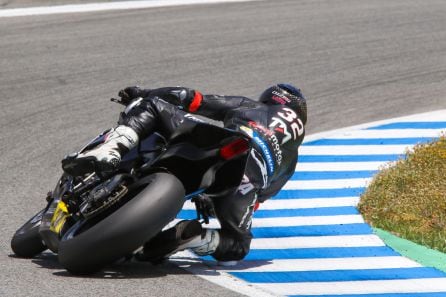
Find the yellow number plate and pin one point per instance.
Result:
(59, 217)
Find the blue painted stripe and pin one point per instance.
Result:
(319, 253)
(316, 175)
(370, 141)
(349, 158)
(313, 230)
(189, 214)
(333, 252)
(411, 125)
(432, 294)
(339, 275)
(322, 193)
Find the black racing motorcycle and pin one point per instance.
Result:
(99, 218)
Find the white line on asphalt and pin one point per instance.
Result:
(91, 7)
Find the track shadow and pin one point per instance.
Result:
(242, 265)
(215, 265)
(132, 269)
(45, 260)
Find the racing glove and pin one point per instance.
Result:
(205, 207)
(130, 93)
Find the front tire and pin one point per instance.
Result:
(125, 230)
(26, 242)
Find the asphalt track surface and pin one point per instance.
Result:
(356, 61)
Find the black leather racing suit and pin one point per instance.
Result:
(276, 130)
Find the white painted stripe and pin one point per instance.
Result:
(189, 205)
(435, 116)
(316, 242)
(328, 150)
(307, 221)
(340, 166)
(91, 7)
(324, 264)
(299, 203)
(388, 133)
(326, 184)
(309, 203)
(423, 285)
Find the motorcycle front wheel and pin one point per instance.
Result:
(26, 242)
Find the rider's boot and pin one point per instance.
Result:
(105, 157)
(187, 234)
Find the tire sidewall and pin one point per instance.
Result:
(26, 242)
(126, 229)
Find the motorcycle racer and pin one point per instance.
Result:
(276, 125)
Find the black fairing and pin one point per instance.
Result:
(192, 155)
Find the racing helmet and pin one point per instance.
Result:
(286, 94)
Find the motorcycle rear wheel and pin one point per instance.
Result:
(86, 249)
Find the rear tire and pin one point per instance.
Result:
(26, 242)
(125, 230)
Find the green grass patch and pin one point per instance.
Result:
(408, 198)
